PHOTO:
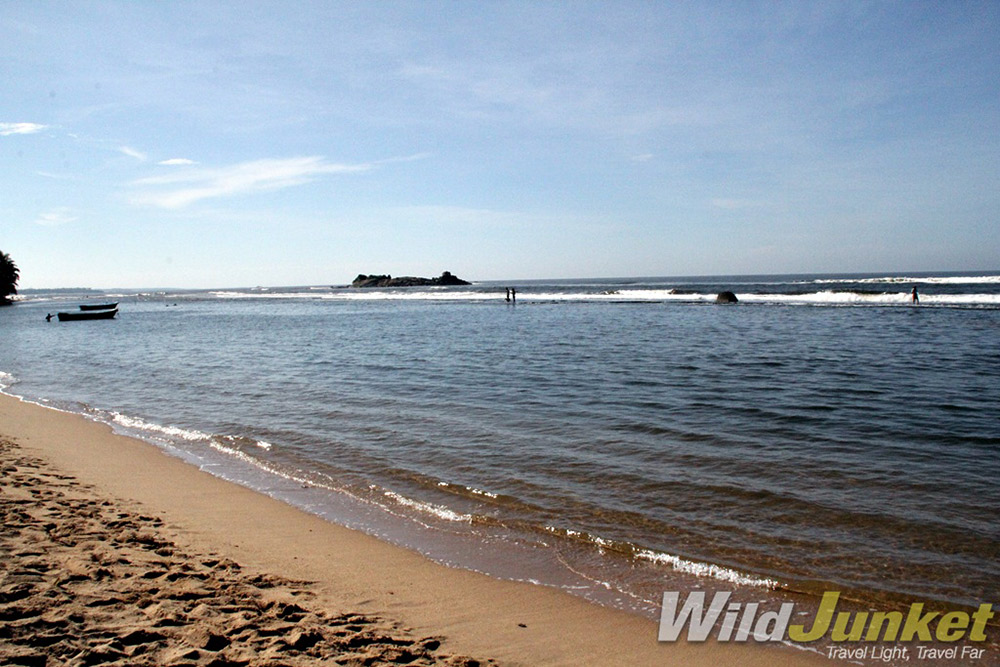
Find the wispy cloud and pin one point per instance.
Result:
(188, 186)
(58, 216)
(177, 161)
(7, 129)
(131, 152)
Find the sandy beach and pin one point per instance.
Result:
(115, 552)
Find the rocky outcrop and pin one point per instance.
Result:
(726, 297)
(445, 279)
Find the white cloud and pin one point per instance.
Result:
(188, 186)
(131, 152)
(642, 157)
(58, 216)
(7, 129)
(177, 161)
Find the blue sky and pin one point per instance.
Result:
(209, 144)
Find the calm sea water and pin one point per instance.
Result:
(605, 436)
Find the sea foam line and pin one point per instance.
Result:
(823, 297)
(706, 570)
(436, 510)
(468, 489)
(678, 564)
(926, 280)
(143, 425)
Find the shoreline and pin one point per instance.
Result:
(510, 622)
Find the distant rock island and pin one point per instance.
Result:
(407, 281)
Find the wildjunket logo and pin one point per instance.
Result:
(741, 621)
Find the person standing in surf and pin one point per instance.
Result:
(914, 297)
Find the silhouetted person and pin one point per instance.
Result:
(914, 297)
(513, 294)
(508, 294)
(48, 318)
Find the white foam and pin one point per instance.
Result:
(827, 297)
(143, 425)
(960, 299)
(706, 569)
(470, 489)
(927, 280)
(6, 381)
(823, 297)
(262, 444)
(619, 295)
(269, 468)
(678, 564)
(240, 454)
(832, 298)
(436, 510)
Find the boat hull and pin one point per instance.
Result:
(87, 315)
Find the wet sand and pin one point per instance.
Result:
(114, 552)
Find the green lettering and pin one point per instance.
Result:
(981, 616)
(839, 633)
(892, 619)
(821, 623)
(917, 624)
(952, 626)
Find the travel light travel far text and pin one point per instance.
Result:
(903, 654)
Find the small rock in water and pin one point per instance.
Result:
(726, 297)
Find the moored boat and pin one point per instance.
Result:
(87, 315)
(98, 306)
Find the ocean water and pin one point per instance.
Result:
(616, 438)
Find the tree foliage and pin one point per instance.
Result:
(9, 275)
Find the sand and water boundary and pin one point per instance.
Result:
(101, 527)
